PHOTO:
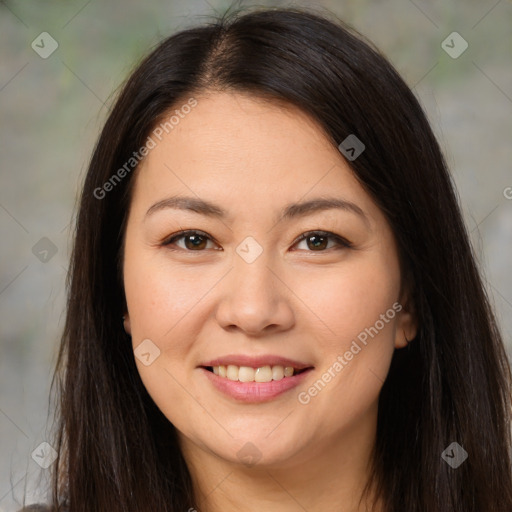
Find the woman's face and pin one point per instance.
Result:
(220, 318)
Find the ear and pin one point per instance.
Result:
(126, 324)
(406, 324)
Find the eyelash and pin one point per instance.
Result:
(342, 242)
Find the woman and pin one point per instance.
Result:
(273, 302)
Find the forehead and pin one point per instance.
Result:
(246, 151)
(224, 127)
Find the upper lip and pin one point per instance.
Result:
(255, 361)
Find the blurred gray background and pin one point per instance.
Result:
(53, 104)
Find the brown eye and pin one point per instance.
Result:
(193, 240)
(317, 241)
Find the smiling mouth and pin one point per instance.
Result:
(261, 374)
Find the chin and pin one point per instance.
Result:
(260, 452)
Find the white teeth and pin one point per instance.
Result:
(263, 374)
(277, 372)
(232, 372)
(247, 374)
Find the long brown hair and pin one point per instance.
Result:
(116, 449)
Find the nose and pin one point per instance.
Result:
(255, 299)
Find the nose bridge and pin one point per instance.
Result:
(253, 281)
(255, 297)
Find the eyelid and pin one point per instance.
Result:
(341, 241)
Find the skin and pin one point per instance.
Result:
(253, 158)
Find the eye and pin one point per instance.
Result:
(317, 241)
(194, 240)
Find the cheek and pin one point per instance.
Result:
(359, 307)
(159, 296)
(349, 300)
(161, 304)
(161, 307)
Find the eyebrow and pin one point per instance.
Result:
(291, 211)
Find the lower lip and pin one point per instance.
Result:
(255, 392)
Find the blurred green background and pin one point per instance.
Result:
(51, 111)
